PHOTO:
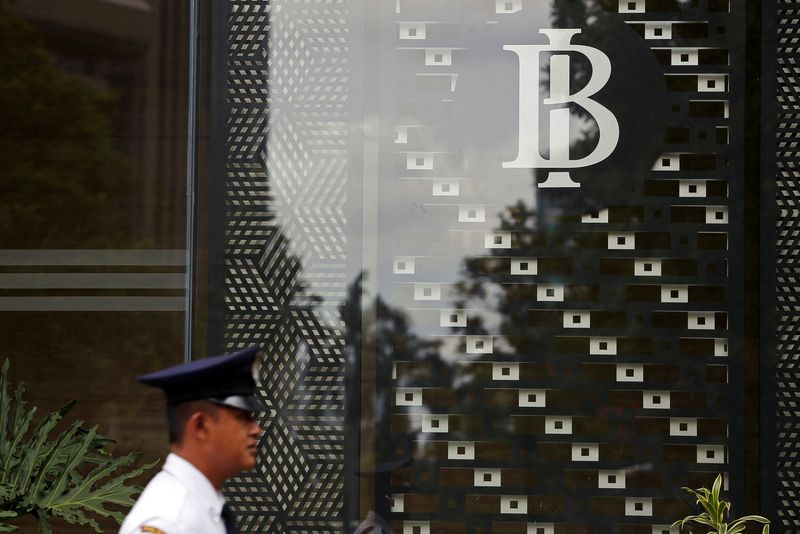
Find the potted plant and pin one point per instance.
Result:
(72, 475)
(713, 519)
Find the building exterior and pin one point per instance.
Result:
(518, 266)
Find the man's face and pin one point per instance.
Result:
(234, 437)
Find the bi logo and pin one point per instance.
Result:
(530, 98)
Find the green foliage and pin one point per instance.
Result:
(63, 184)
(715, 510)
(68, 476)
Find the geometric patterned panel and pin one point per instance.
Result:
(586, 352)
(284, 250)
(579, 370)
(788, 264)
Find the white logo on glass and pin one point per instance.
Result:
(528, 156)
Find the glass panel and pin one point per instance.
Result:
(496, 252)
(92, 209)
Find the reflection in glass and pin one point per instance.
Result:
(457, 345)
(92, 209)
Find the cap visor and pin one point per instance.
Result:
(248, 403)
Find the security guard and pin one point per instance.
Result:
(211, 413)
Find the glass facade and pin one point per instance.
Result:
(93, 200)
(513, 262)
(504, 257)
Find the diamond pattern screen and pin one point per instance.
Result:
(494, 251)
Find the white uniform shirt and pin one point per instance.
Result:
(178, 500)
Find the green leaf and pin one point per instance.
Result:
(73, 476)
(715, 511)
(76, 517)
(32, 454)
(44, 522)
(4, 404)
(18, 425)
(53, 459)
(112, 492)
(73, 461)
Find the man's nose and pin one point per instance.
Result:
(256, 429)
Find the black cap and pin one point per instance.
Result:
(228, 380)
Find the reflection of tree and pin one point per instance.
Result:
(394, 341)
(550, 229)
(62, 183)
(388, 339)
(636, 94)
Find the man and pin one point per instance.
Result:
(213, 431)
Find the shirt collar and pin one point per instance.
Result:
(196, 482)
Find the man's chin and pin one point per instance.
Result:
(251, 460)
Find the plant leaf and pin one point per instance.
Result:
(32, 454)
(73, 461)
(46, 476)
(53, 459)
(44, 522)
(4, 404)
(6, 514)
(19, 424)
(114, 491)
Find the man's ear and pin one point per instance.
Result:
(197, 426)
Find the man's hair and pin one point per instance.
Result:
(179, 414)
